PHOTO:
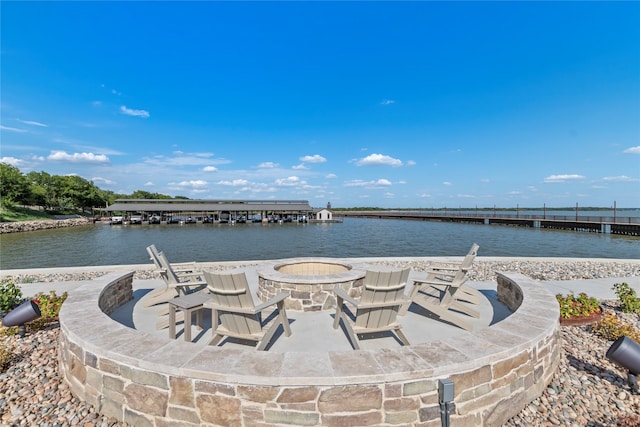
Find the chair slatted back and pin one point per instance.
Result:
(166, 270)
(467, 262)
(451, 288)
(153, 255)
(231, 292)
(382, 297)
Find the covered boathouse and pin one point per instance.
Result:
(214, 211)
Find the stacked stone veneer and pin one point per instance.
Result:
(309, 282)
(148, 380)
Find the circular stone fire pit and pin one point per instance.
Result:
(310, 281)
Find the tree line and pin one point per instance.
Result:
(58, 192)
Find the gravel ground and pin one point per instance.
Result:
(587, 389)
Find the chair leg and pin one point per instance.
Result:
(402, 336)
(216, 339)
(353, 337)
(282, 314)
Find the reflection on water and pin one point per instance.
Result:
(109, 245)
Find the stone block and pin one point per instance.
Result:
(471, 379)
(419, 387)
(147, 399)
(183, 414)
(502, 368)
(291, 418)
(352, 398)
(258, 394)
(149, 378)
(401, 418)
(181, 392)
(402, 404)
(109, 366)
(135, 419)
(298, 394)
(352, 420)
(219, 410)
(214, 388)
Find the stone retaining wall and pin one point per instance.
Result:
(45, 224)
(148, 380)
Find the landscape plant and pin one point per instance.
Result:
(577, 306)
(629, 301)
(610, 327)
(49, 304)
(10, 295)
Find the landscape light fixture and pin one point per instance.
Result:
(626, 353)
(445, 396)
(25, 312)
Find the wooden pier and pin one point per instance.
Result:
(628, 226)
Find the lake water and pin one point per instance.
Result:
(102, 244)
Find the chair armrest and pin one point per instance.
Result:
(437, 282)
(398, 302)
(272, 301)
(344, 296)
(223, 308)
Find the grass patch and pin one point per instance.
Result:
(16, 213)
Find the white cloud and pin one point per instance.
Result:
(301, 166)
(447, 183)
(289, 181)
(622, 178)
(12, 129)
(387, 102)
(411, 162)
(63, 156)
(100, 180)
(368, 184)
(268, 165)
(234, 183)
(32, 123)
(185, 159)
(379, 159)
(632, 150)
(148, 184)
(316, 158)
(331, 176)
(12, 161)
(209, 169)
(190, 184)
(134, 113)
(563, 178)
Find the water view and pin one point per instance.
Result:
(116, 244)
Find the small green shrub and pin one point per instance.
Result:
(49, 304)
(611, 328)
(630, 303)
(582, 305)
(10, 295)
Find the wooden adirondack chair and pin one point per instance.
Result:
(377, 309)
(448, 270)
(180, 279)
(438, 296)
(234, 313)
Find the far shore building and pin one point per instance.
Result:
(221, 211)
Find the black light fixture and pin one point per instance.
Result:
(445, 397)
(25, 312)
(626, 352)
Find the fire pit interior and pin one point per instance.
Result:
(312, 268)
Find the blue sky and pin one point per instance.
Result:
(405, 104)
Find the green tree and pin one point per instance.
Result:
(13, 185)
